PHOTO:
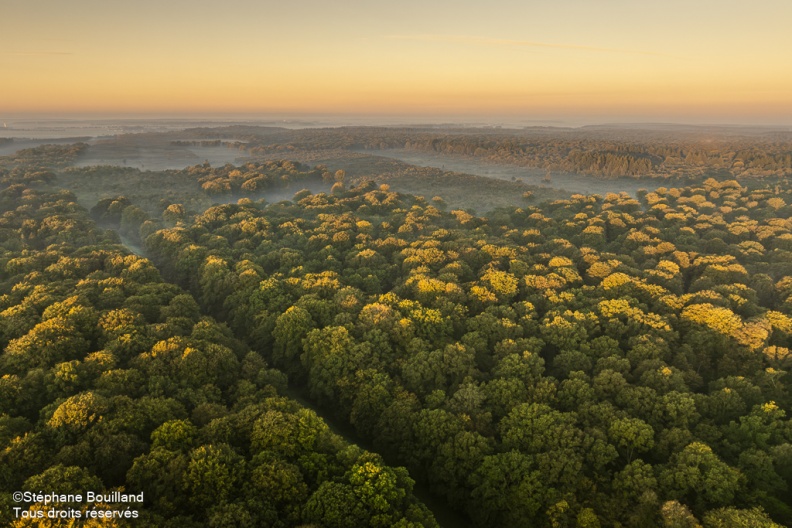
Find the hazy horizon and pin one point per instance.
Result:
(616, 61)
(12, 121)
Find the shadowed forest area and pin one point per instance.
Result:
(510, 351)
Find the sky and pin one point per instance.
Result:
(690, 61)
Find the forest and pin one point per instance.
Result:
(113, 379)
(602, 152)
(578, 360)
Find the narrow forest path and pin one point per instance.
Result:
(134, 248)
(446, 516)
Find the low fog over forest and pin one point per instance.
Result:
(261, 325)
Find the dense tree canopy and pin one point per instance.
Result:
(597, 151)
(601, 359)
(111, 378)
(587, 361)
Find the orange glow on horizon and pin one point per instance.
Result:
(474, 61)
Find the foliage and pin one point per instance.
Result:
(571, 372)
(111, 378)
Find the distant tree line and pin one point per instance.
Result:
(207, 143)
(255, 177)
(45, 157)
(583, 152)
